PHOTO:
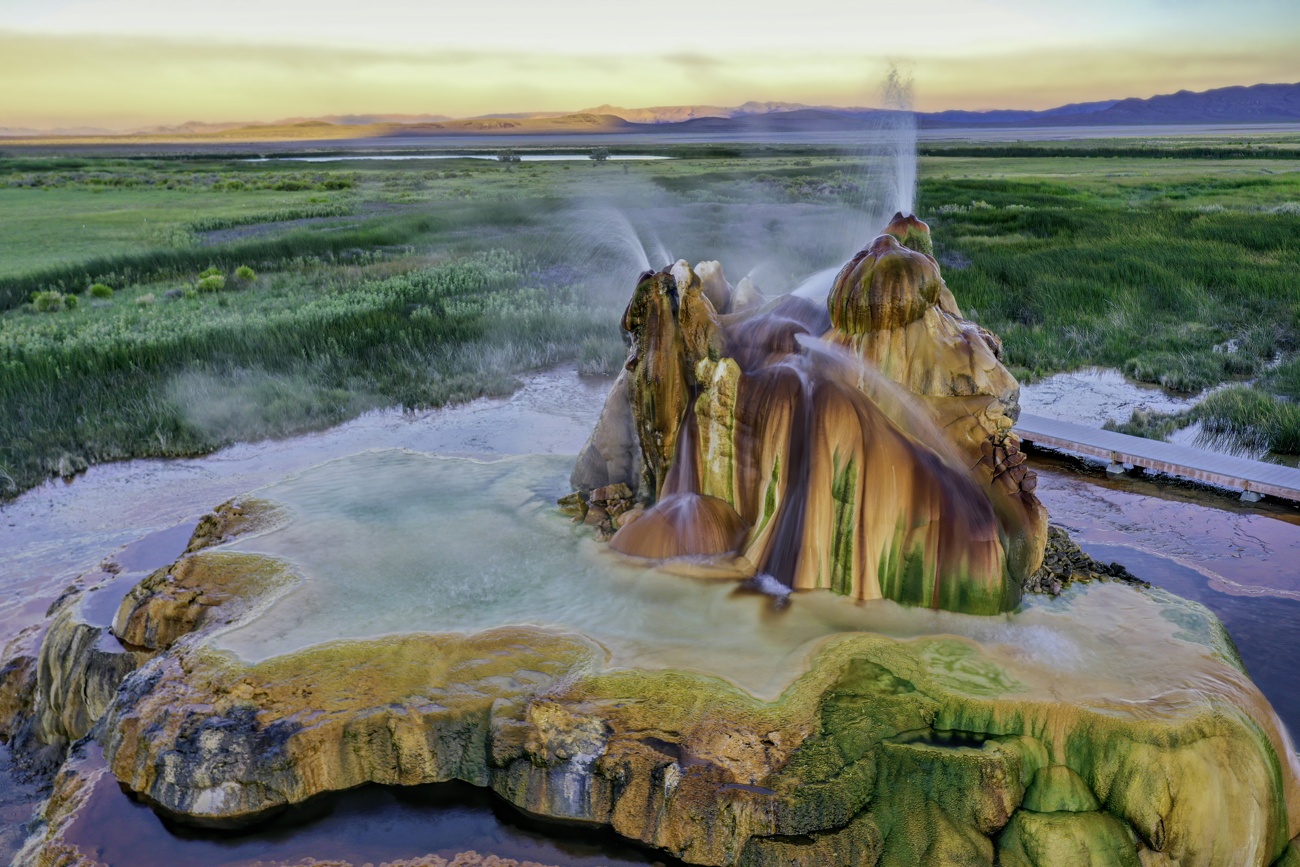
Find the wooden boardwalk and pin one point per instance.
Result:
(1252, 478)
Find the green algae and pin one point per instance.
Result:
(845, 500)
(1057, 789)
(1084, 839)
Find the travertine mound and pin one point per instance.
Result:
(927, 751)
(934, 750)
(869, 451)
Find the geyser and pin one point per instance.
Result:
(865, 447)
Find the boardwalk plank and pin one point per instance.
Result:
(1226, 471)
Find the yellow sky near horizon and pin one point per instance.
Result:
(128, 63)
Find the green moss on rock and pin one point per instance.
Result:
(1077, 839)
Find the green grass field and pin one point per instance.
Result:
(421, 282)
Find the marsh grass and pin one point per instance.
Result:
(1251, 417)
(602, 354)
(183, 376)
(1150, 424)
(1176, 270)
(283, 215)
(1176, 297)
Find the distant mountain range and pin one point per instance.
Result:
(1260, 103)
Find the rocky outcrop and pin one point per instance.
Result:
(1064, 563)
(921, 752)
(192, 593)
(78, 673)
(202, 591)
(232, 519)
(58, 678)
(18, 666)
(612, 454)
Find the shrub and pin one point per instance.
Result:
(99, 290)
(49, 301)
(211, 283)
(245, 274)
(173, 236)
(214, 271)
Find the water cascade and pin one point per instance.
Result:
(864, 448)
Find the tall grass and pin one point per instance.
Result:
(1252, 418)
(187, 376)
(1176, 297)
(281, 215)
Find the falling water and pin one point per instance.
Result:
(781, 560)
(817, 286)
(894, 400)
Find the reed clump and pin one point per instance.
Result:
(1250, 417)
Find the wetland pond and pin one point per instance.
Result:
(523, 157)
(1236, 559)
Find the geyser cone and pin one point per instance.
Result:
(682, 525)
(911, 233)
(884, 286)
(839, 496)
(658, 372)
(673, 326)
(877, 462)
(914, 234)
(891, 309)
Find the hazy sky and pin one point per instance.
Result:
(131, 62)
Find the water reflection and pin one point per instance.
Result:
(1237, 560)
(368, 825)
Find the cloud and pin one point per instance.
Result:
(135, 81)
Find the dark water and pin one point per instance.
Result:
(1242, 561)
(367, 825)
